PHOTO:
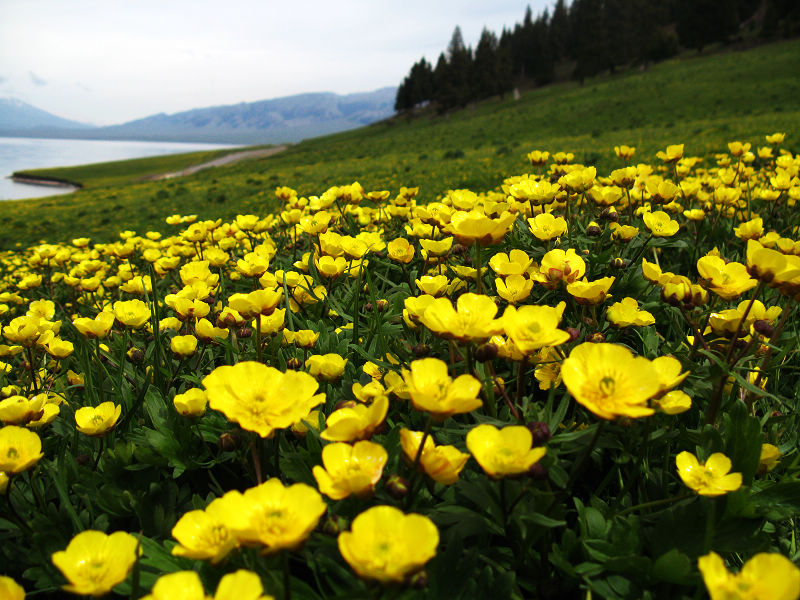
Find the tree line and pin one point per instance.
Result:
(585, 38)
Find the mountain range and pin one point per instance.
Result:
(287, 119)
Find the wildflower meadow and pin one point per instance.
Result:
(579, 384)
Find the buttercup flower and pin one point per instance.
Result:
(95, 562)
(727, 280)
(350, 469)
(440, 463)
(546, 227)
(766, 576)
(186, 585)
(660, 224)
(471, 320)
(183, 345)
(533, 327)
(609, 381)
(20, 449)
(386, 545)
(97, 421)
(328, 367)
(353, 423)
(769, 459)
(711, 478)
(515, 288)
(503, 452)
(590, 292)
(10, 589)
(191, 403)
(131, 313)
(432, 390)
(261, 398)
(273, 516)
(203, 535)
(626, 313)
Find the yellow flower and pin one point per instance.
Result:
(727, 280)
(626, 313)
(537, 158)
(257, 302)
(559, 265)
(386, 545)
(3, 487)
(186, 585)
(590, 292)
(272, 515)
(711, 478)
(350, 469)
(191, 403)
(19, 410)
(441, 463)
(99, 420)
(273, 323)
(10, 589)
(400, 250)
(546, 227)
(20, 449)
(23, 330)
(131, 313)
(202, 534)
(503, 452)
(183, 345)
(609, 381)
(432, 390)
(187, 307)
(515, 288)
(471, 320)
(95, 562)
(775, 138)
(534, 192)
(750, 230)
(328, 367)
(516, 262)
(358, 422)
(432, 285)
(474, 226)
(660, 224)
(674, 402)
(623, 232)
(261, 398)
(769, 459)
(673, 153)
(766, 576)
(532, 327)
(625, 152)
(206, 332)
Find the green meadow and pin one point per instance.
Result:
(704, 101)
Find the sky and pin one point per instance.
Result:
(110, 61)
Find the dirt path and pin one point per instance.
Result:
(223, 160)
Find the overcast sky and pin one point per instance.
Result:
(111, 61)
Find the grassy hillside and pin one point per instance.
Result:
(703, 101)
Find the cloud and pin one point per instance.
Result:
(36, 80)
(3, 79)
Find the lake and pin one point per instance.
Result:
(19, 154)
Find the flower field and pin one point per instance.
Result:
(580, 384)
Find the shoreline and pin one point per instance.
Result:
(21, 177)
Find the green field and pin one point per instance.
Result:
(703, 101)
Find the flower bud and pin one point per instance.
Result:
(574, 333)
(244, 332)
(397, 486)
(486, 352)
(593, 230)
(383, 305)
(228, 442)
(764, 328)
(419, 580)
(333, 526)
(541, 432)
(620, 263)
(596, 338)
(539, 472)
(421, 350)
(294, 363)
(135, 356)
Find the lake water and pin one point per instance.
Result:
(19, 154)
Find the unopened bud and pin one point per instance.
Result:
(620, 263)
(574, 333)
(539, 472)
(486, 352)
(764, 328)
(228, 442)
(596, 338)
(333, 526)
(540, 431)
(421, 350)
(244, 332)
(419, 580)
(135, 356)
(294, 363)
(383, 305)
(397, 486)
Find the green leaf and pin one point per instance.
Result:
(673, 566)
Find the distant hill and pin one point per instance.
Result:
(288, 119)
(16, 114)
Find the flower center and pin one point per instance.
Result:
(607, 386)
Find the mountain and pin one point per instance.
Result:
(16, 114)
(287, 119)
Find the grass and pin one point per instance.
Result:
(704, 101)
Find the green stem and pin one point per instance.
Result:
(412, 490)
(653, 503)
